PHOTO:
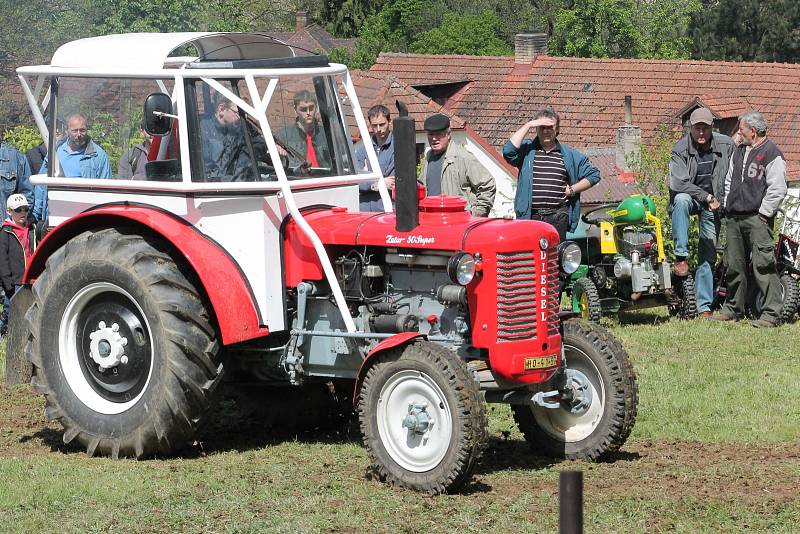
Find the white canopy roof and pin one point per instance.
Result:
(150, 50)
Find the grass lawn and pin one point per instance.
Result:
(716, 448)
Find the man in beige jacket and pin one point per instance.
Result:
(448, 169)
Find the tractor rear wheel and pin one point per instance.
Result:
(791, 298)
(122, 345)
(422, 418)
(598, 403)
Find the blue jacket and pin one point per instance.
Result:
(15, 174)
(578, 167)
(93, 164)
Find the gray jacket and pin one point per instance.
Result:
(465, 177)
(683, 168)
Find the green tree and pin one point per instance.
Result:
(463, 34)
(747, 30)
(393, 28)
(598, 28)
(665, 24)
(624, 28)
(123, 16)
(346, 18)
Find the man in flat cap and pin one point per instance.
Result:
(448, 169)
(551, 174)
(697, 171)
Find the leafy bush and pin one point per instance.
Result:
(22, 137)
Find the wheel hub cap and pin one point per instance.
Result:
(418, 420)
(107, 346)
(578, 392)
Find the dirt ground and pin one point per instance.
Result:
(764, 475)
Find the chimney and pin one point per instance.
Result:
(629, 137)
(529, 45)
(301, 20)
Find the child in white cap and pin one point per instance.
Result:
(18, 239)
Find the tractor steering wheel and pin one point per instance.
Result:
(592, 217)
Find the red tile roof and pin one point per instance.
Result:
(588, 93)
(612, 187)
(374, 88)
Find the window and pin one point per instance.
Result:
(102, 135)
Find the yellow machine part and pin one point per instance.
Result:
(655, 221)
(607, 243)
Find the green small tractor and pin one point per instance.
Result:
(625, 267)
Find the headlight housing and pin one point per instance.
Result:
(461, 268)
(569, 256)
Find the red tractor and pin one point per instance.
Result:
(149, 292)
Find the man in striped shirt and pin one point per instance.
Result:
(551, 174)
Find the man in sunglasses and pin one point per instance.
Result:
(18, 240)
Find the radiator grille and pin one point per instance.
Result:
(517, 295)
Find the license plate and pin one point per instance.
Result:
(540, 363)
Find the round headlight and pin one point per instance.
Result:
(569, 256)
(461, 268)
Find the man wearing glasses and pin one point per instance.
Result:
(448, 169)
(18, 240)
(226, 154)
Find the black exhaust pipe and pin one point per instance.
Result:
(405, 170)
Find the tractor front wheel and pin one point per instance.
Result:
(586, 300)
(599, 398)
(422, 418)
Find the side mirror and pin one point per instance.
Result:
(158, 114)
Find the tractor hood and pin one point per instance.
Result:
(442, 226)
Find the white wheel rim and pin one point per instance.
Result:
(411, 450)
(69, 356)
(564, 425)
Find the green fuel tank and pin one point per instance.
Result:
(634, 210)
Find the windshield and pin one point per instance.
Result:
(305, 118)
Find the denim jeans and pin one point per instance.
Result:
(683, 207)
(6, 309)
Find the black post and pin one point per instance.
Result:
(405, 170)
(570, 496)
